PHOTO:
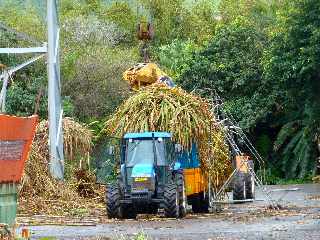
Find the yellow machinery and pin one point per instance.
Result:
(143, 74)
(146, 73)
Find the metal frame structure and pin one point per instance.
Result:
(54, 90)
(231, 128)
(54, 99)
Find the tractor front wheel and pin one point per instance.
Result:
(112, 201)
(171, 201)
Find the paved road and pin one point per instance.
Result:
(299, 219)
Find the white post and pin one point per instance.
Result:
(54, 102)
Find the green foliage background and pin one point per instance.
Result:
(261, 56)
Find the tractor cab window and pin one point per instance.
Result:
(141, 151)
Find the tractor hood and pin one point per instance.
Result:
(143, 170)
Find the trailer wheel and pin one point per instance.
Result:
(112, 201)
(196, 204)
(239, 189)
(171, 201)
(205, 203)
(200, 203)
(182, 195)
(250, 184)
(250, 187)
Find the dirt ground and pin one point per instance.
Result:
(299, 218)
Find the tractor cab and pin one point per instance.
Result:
(150, 178)
(146, 158)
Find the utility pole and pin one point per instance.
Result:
(56, 166)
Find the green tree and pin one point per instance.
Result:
(174, 57)
(96, 87)
(269, 76)
(26, 20)
(231, 64)
(293, 61)
(261, 12)
(199, 21)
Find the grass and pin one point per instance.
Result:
(141, 236)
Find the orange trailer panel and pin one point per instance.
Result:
(16, 136)
(194, 181)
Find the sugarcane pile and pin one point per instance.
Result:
(186, 116)
(40, 193)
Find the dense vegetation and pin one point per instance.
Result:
(261, 56)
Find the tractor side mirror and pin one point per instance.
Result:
(178, 148)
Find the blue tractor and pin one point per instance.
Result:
(150, 178)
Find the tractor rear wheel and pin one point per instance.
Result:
(239, 187)
(112, 201)
(171, 201)
(182, 195)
